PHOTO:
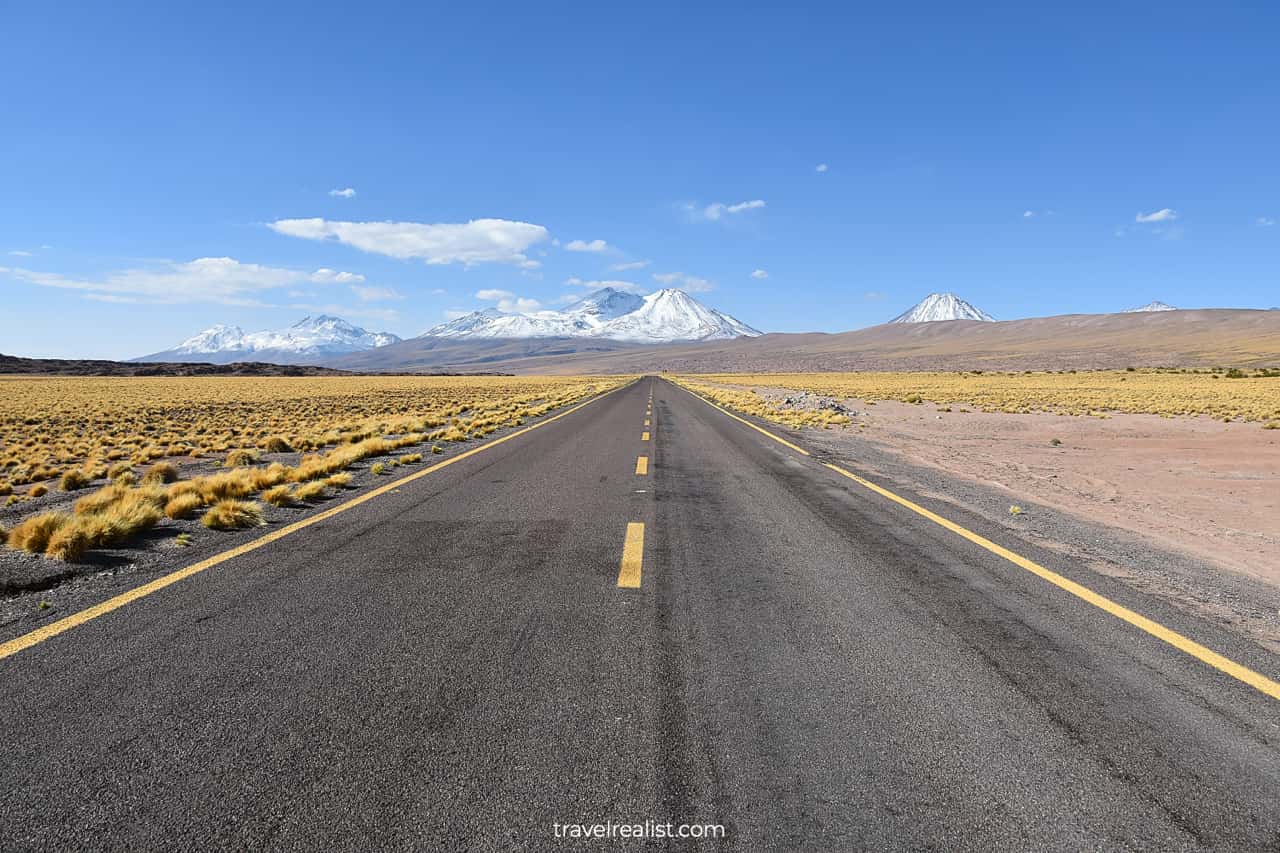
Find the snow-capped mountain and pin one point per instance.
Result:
(1157, 305)
(942, 306)
(309, 340)
(664, 316)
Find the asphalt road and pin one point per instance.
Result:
(453, 665)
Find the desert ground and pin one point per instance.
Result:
(1085, 445)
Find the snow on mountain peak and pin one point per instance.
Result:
(664, 316)
(310, 337)
(1155, 305)
(942, 306)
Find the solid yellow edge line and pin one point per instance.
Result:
(776, 438)
(632, 556)
(26, 641)
(642, 465)
(1155, 629)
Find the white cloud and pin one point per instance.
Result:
(630, 265)
(1027, 214)
(759, 274)
(587, 246)
(20, 253)
(719, 210)
(1265, 221)
(343, 193)
(821, 167)
(373, 293)
(324, 275)
(686, 282)
(508, 301)
(221, 280)
(439, 291)
(1162, 215)
(628, 286)
(479, 241)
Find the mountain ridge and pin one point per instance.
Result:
(664, 316)
(309, 340)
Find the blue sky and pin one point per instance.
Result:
(166, 170)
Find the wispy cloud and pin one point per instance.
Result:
(717, 211)
(759, 274)
(1027, 214)
(373, 293)
(508, 302)
(690, 283)
(343, 193)
(821, 167)
(630, 265)
(1163, 215)
(1265, 221)
(479, 241)
(20, 253)
(587, 246)
(221, 280)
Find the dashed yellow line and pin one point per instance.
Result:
(1184, 644)
(644, 436)
(26, 641)
(642, 465)
(646, 421)
(632, 556)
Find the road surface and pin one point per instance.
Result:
(552, 632)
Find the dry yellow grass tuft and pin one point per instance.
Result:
(183, 505)
(230, 514)
(279, 496)
(313, 491)
(161, 472)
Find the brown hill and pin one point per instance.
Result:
(1188, 338)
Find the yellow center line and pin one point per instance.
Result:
(644, 436)
(642, 465)
(1155, 629)
(646, 421)
(632, 556)
(26, 641)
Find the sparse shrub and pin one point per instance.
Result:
(435, 448)
(69, 542)
(38, 491)
(33, 534)
(183, 540)
(231, 514)
(5, 489)
(338, 481)
(161, 472)
(1055, 442)
(240, 458)
(73, 480)
(312, 491)
(1267, 425)
(378, 468)
(183, 505)
(119, 470)
(277, 444)
(410, 458)
(279, 496)
(1015, 510)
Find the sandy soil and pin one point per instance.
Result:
(1198, 486)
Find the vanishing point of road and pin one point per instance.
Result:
(646, 609)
